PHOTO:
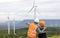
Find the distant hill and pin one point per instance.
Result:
(22, 24)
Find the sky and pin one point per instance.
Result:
(18, 9)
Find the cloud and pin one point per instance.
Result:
(48, 9)
(8, 0)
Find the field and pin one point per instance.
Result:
(52, 32)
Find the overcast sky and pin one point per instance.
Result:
(18, 9)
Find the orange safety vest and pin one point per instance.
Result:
(32, 30)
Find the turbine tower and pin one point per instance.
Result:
(14, 29)
(8, 24)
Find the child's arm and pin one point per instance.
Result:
(38, 30)
(44, 28)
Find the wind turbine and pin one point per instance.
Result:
(35, 8)
(14, 29)
(8, 24)
(14, 25)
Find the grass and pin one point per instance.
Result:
(52, 32)
(54, 36)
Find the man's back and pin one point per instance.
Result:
(32, 30)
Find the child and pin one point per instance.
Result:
(42, 30)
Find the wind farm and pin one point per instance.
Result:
(16, 16)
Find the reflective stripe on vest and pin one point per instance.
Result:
(32, 32)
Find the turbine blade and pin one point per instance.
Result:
(33, 3)
(30, 9)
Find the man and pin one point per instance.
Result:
(42, 31)
(32, 29)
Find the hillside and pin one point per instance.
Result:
(22, 24)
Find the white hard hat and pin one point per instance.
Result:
(36, 20)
